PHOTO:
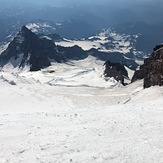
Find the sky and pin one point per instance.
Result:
(137, 9)
(67, 2)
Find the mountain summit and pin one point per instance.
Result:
(27, 49)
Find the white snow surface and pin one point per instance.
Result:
(41, 123)
(45, 117)
(106, 41)
(85, 45)
(42, 27)
(87, 72)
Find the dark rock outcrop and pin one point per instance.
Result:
(30, 50)
(38, 51)
(73, 53)
(53, 36)
(115, 70)
(113, 57)
(152, 69)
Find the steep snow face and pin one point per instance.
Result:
(80, 124)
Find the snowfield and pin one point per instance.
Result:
(70, 113)
(106, 41)
(87, 72)
(40, 123)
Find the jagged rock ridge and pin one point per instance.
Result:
(152, 69)
(38, 51)
(30, 50)
(115, 70)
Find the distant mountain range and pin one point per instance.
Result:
(122, 34)
(78, 19)
(147, 35)
(37, 52)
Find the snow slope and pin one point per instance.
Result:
(87, 72)
(69, 113)
(40, 123)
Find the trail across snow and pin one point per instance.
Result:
(40, 123)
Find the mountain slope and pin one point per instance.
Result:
(39, 51)
(27, 49)
(84, 125)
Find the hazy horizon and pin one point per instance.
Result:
(83, 16)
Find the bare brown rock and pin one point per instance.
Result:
(152, 69)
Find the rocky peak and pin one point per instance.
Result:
(152, 69)
(25, 36)
(28, 49)
(26, 33)
(158, 47)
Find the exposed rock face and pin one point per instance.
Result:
(73, 53)
(115, 70)
(28, 49)
(53, 36)
(38, 52)
(152, 69)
